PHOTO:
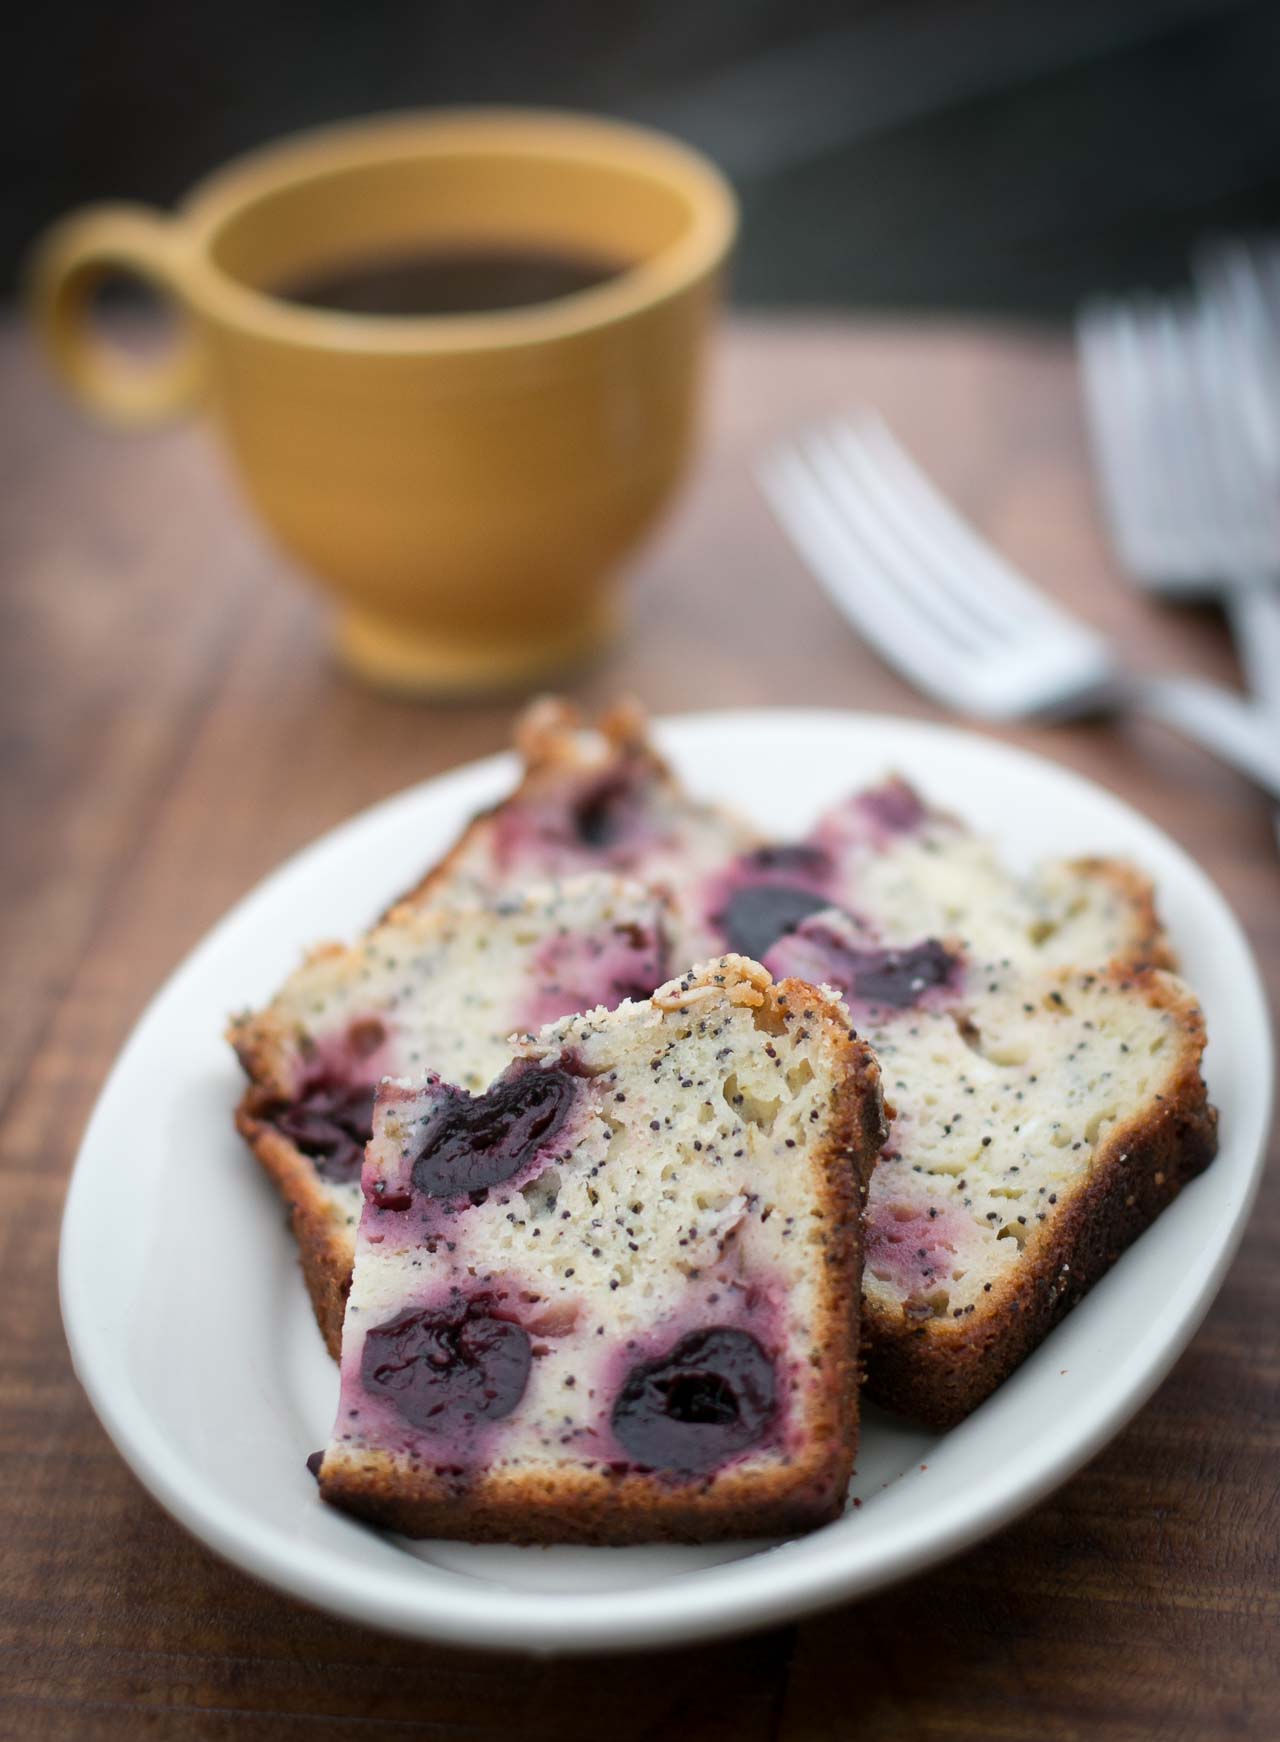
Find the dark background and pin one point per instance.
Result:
(1003, 155)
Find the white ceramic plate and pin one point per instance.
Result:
(191, 1332)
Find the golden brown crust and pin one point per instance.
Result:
(846, 1161)
(261, 1055)
(593, 1505)
(581, 1506)
(325, 1242)
(940, 1371)
(546, 732)
(1149, 947)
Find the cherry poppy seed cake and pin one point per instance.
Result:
(1039, 1132)
(614, 1298)
(1044, 1070)
(604, 1253)
(429, 989)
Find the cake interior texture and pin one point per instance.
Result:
(435, 988)
(906, 872)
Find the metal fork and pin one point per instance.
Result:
(1179, 397)
(952, 616)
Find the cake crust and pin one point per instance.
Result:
(323, 1234)
(1146, 944)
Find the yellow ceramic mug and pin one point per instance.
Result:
(465, 484)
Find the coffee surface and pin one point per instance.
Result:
(451, 281)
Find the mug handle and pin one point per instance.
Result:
(69, 266)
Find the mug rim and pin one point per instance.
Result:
(452, 132)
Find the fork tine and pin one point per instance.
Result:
(1114, 413)
(1174, 340)
(1189, 484)
(1232, 508)
(1231, 525)
(1139, 390)
(868, 514)
(1239, 377)
(1142, 385)
(889, 530)
(1153, 503)
(885, 618)
(978, 584)
(924, 625)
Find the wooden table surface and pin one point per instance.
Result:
(173, 727)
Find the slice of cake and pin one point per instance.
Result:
(588, 800)
(615, 1297)
(1038, 1130)
(439, 989)
(1043, 1116)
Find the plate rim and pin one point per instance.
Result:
(704, 1603)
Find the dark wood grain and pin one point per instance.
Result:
(173, 727)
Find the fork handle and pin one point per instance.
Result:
(1245, 736)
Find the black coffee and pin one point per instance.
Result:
(451, 281)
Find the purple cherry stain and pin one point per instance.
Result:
(448, 1370)
(800, 858)
(472, 1143)
(710, 1397)
(757, 916)
(896, 979)
(895, 806)
(602, 814)
(330, 1121)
